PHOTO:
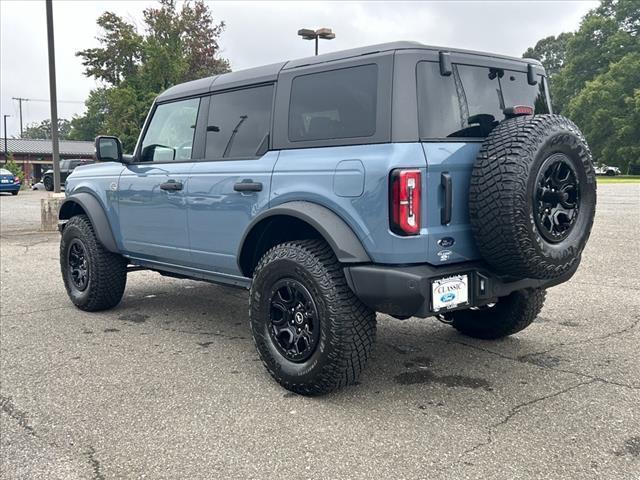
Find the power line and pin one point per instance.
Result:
(21, 99)
(46, 100)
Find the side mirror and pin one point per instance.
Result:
(108, 149)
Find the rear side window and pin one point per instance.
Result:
(470, 102)
(334, 104)
(239, 122)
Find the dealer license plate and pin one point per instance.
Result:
(450, 292)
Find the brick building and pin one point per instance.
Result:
(36, 157)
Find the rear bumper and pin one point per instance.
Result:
(406, 291)
(9, 187)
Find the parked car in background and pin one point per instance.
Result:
(66, 167)
(602, 169)
(9, 182)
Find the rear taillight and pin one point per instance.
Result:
(518, 111)
(16, 179)
(404, 203)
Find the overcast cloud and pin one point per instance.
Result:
(259, 33)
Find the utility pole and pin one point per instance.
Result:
(53, 98)
(6, 151)
(20, 100)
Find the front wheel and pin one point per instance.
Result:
(15, 192)
(509, 315)
(48, 184)
(94, 277)
(312, 333)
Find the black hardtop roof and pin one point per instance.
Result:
(269, 73)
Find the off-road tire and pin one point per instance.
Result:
(107, 271)
(347, 326)
(502, 196)
(48, 183)
(509, 315)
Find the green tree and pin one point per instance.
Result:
(13, 167)
(595, 79)
(42, 130)
(92, 123)
(551, 51)
(606, 34)
(177, 45)
(608, 112)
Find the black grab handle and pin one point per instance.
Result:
(171, 186)
(248, 186)
(445, 211)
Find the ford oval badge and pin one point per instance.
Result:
(447, 297)
(446, 242)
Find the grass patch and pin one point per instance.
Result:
(620, 179)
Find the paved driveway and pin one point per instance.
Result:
(168, 384)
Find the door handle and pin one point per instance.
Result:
(447, 185)
(171, 186)
(248, 185)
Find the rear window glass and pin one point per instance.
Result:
(335, 104)
(469, 103)
(238, 122)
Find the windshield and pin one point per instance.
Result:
(5, 172)
(470, 102)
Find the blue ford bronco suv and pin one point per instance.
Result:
(397, 178)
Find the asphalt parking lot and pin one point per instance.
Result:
(168, 384)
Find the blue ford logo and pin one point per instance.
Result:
(446, 242)
(447, 297)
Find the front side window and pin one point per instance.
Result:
(334, 104)
(239, 122)
(169, 136)
(470, 102)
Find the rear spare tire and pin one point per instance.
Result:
(532, 196)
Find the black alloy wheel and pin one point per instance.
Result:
(557, 198)
(295, 324)
(78, 264)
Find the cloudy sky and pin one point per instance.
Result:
(258, 33)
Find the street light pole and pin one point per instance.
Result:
(53, 98)
(6, 151)
(321, 33)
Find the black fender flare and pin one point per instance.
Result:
(94, 210)
(340, 237)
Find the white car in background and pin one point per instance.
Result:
(602, 169)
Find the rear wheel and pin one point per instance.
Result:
(48, 183)
(312, 333)
(94, 277)
(507, 316)
(15, 192)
